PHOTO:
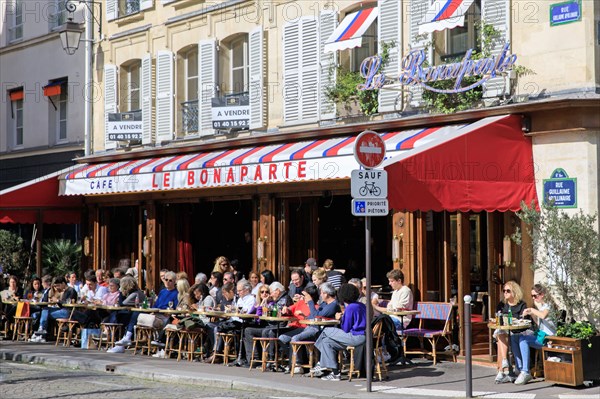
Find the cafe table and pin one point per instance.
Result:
(319, 322)
(517, 325)
(278, 320)
(401, 313)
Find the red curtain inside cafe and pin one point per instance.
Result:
(488, 167)
(178, 251)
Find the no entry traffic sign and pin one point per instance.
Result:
(369, 149)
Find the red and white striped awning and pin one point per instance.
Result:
(349, 33)
(444, 14)
(325, 159)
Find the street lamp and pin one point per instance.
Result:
(70, 36)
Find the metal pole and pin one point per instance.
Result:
(467, 336)
(89, 37)
(368, 330)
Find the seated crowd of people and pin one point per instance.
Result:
(313, 292)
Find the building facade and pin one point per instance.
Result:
(222, 131)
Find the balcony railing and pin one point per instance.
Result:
(189, 116)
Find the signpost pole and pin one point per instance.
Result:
(368, 329)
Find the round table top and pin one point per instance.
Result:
(147, 310)
(111, 307)
(514, 326)
(212, 313)
(243, 315)
(278, 318)
(401, 312)
(78, 305)
(320, 322)
(174, 311)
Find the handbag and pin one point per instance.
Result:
(149, 320)
(540, 337)
(22, 309)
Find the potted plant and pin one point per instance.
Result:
(565, 248)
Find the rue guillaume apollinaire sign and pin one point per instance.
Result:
(416, 73)
(125, 126)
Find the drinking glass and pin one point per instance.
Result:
(170, 305)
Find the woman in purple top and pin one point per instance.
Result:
(351, 332)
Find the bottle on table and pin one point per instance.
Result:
(510, 317)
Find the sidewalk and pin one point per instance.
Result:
(446, 379)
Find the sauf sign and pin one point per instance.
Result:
(415, 71)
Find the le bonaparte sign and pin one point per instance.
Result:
(417, 72)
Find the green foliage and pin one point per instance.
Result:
(345, 91)
(578, 330)
(566, 248)
(448, 103)
(61, 256)
(13, 253)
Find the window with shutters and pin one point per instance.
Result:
(130, 87)
(58, 117)
(233, 63)
(452, 44)
(187, 67)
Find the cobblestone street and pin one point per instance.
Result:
(34, 381)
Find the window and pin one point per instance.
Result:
(58, 14)
(18, 123)
(367, 49)
(128, 7)
(61, 115)
(189, 105)
(239, 65)
(454, 43)
(131, 81)
(15, 31)
(233, 65)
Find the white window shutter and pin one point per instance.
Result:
(164, 96)
(291, 71)
(207, 87)
(256, 72)
(145, 4)
(112, 9)
(110, 101)
(309, 75)
(496, 13)
(146, 94)
(327, 24)
(418, 8)
(389, 26)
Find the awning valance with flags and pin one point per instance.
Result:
(484, 166)
(27, 202)
(444, 14)
(349, 33)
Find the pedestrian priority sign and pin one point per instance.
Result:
(370, 207)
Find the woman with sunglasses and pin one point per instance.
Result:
(512, 300)
(521, 343)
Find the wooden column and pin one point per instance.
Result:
(399, 231)
(152, 274)
(421, 229)
(38, 244)
(96, 237)
(463, 248)
(447, 251)
(266, 231)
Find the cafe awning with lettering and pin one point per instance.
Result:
(331, 159)
(484, 166)
(349, 33)
(444, 14)
(38, 201)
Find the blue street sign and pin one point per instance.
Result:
(560, 190)
(566, 12)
